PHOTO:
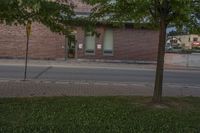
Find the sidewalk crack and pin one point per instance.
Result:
(41, 73)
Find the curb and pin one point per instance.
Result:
(103, 83)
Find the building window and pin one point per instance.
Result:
(108, 42)
(90, 43)
(195, 39)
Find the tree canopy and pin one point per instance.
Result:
(46, 12)
(180, 13)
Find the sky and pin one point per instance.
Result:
(171, 29)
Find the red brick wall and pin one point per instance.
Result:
(43, 43)
(135, 44)
(129, 44)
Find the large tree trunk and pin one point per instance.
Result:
(157, 96)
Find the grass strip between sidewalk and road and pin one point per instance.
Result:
(99, 115)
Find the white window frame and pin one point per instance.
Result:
(94, 51)
(111, 53)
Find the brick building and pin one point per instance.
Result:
(112, 43)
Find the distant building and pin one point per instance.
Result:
(183, 41)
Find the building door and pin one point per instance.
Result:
(71, 46)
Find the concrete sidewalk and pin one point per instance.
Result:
(72, 63)
(90, 64)
(70, 88)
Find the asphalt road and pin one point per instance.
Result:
(99, 74)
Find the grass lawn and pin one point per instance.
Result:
(99, 115)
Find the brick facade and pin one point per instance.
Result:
(129, 44)
(43, 43)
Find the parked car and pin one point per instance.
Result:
(196, 44)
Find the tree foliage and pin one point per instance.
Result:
(46, 12)
(175, 12)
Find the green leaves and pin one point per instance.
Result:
(46, 12)
(58, 16)
(176, 12)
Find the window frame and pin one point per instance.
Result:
(103, 50)
(85, 50)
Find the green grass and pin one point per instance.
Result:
(99, 115)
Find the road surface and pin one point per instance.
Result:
(180, 77)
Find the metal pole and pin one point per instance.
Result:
(65, 48)
(76, 50)
(26, 60)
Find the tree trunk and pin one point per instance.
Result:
(157, 96)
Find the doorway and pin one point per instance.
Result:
(71, 47)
